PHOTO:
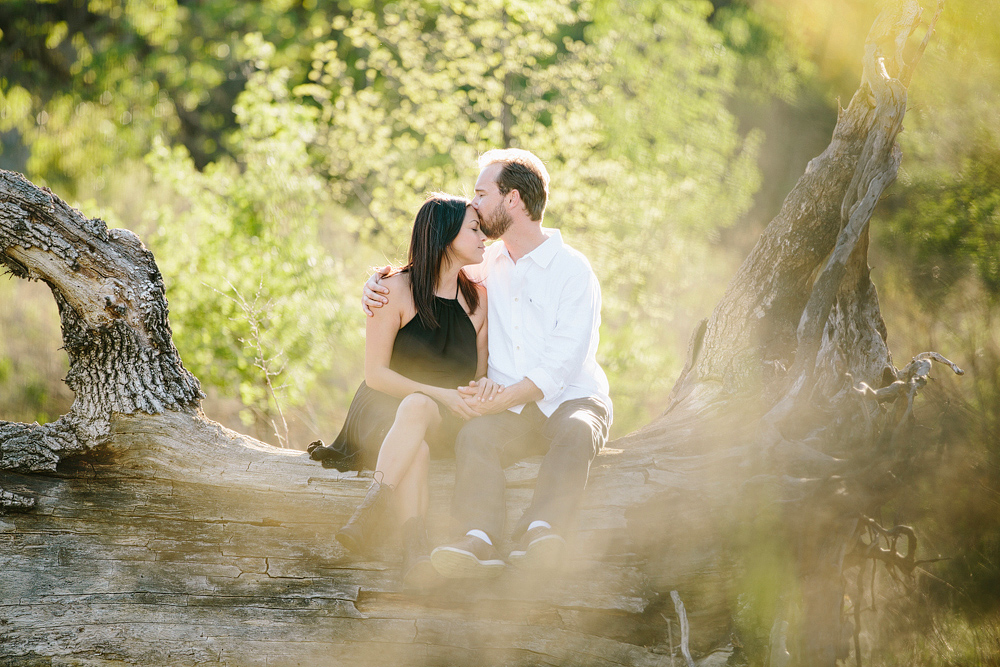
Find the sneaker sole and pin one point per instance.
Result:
(457, 564)
(545, 553)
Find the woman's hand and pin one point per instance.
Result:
(454, 401)
(486, 389)
(484, 396)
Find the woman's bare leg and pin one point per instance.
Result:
(417, 414)
(412, 495)
(411, 500)
(400, 472)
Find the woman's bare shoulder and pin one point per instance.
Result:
(397, 281)
(400, 297)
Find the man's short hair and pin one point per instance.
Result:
(521, 171)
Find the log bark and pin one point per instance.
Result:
(115, 329)
(137, 531)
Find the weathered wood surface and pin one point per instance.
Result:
(162, 538)
(154, 552)
(207, 545)
(113, 312)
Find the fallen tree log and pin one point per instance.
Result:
(136, 531)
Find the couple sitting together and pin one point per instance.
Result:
(487, 354)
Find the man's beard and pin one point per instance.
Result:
(495, 223)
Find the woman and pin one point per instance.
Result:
(419, 349)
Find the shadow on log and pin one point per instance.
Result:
(136, 531)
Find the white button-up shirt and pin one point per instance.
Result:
(544, 321)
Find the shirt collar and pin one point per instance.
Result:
(543, 254)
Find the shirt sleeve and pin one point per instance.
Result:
(567, 347)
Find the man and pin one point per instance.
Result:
(544, 316)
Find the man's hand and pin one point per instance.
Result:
(484, 396)
(518, 393)
(374, 291)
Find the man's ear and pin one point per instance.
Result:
(515, 199)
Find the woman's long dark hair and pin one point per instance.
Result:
(437, 224)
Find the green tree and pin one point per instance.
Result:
(935, 240)
(941, 227)
(87, 85)
(624, 101)
(248, 276)
(368, 111)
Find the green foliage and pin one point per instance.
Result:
(770, 66)
(411, 94)
(251, 227)
(330, 122)
(31, 386)
(941, 227)
(87, 83)
(273, 149)
(943, 217)
(629, 117)
(767, 585)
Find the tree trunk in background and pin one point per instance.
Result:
(161, 537)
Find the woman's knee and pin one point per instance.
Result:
(418, 409)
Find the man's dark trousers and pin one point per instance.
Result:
(569, 439)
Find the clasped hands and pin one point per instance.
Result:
(481, 397)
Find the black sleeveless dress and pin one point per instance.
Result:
(445, 356)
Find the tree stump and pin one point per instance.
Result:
(136, 531)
